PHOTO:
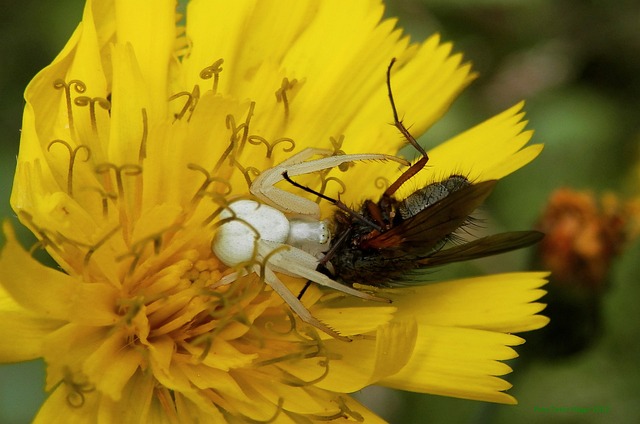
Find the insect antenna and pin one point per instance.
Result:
(322, 263)
(304, 289)
(337, 202)
(343, 237)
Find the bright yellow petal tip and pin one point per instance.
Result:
(463, 331)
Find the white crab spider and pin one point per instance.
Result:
(262, 233)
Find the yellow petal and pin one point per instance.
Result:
(131, 110)
(149, 27)
(500, 302)
(64, 405)
(22, 339)
(32, 178)
(66, 348)
(135, 403)
(458, 362)
(423, 88)
(223, 355)
(190, 409)
(363, 362)
(161, 352)
(196, 142)
(87, 65)
(490, 150)
(111, 366)
(348, 321)
(211, 378)
(57, 410)
(300, 400)
(50, 293)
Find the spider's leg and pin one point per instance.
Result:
(263, 187)
(298, 263)
(303, 155)
(294, 303)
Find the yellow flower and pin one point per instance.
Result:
(138, 135)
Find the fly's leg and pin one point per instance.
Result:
(416, 167)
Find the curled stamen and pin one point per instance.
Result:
(235, 144)
(202, 191)
(348, 411)
(214, 215)
(337, 144)
(246, 171)
(72, 158)
(213, 71)
(381, 183)
(105, 199)
(326, 181)
(92, 249)
(119, 172)
(129, 308)
(257, 140)
(226, 307)
(270, 327)
(327, 418)
(222, 324)
(232, 418)
(80, 88)
(224, 204)
(77, 389)
(244, 127)
(281, 94)
(225, 301)
(145, 133)
(91, 102)
(293, 381)
(273, 419)
(139, 247)
(337, 150)
(263, 264)
(256, 237)
(44, 240)
(222, 200)
(189, 105)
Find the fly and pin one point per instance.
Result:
(383, 242)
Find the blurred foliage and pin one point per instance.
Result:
(577, 63)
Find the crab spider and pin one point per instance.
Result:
(260, 234)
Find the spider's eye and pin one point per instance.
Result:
(310, 235)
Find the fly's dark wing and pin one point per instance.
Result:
(482, 247)
(421, 233)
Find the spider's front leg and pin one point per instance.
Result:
(264, 185)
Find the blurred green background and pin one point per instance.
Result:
(577, 63)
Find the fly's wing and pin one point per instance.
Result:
(421, 233)
(482, 247)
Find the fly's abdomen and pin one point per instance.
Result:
(430, 194)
